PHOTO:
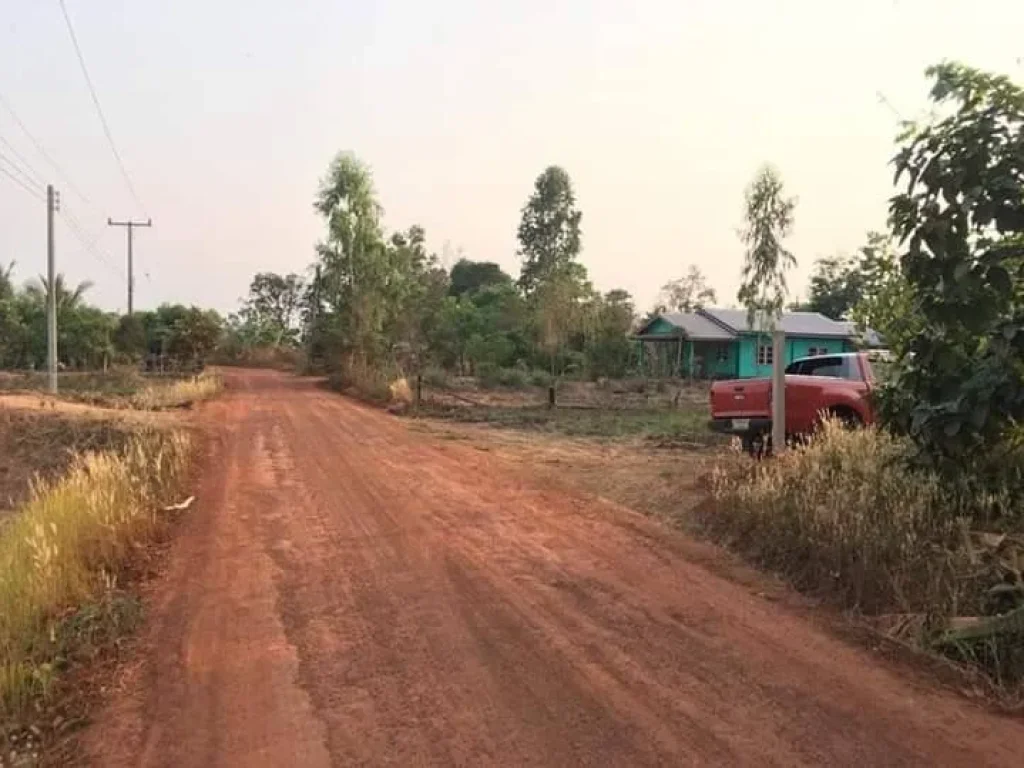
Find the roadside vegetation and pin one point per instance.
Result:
(62, 551)
(121, 387)
(919, 523)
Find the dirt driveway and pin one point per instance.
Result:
(347, 592)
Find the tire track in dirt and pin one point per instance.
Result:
(349, 592)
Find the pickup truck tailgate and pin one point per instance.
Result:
(750, 397)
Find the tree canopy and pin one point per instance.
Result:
(768, 220)
(549, 229)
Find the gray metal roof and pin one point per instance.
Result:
(869, 336)
(793, 323)
(695, 327)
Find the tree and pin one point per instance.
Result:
(559, 304)
(687, 293)
(270, 314)
(129, 337)
(960, 217)
(768, 219)
(194, 336)
(608, 347)
(837, 285)
(7, 282)
(468, 276)
(887, 301)
(549, 230)
(353, 264)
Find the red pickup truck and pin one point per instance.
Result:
(833, 385)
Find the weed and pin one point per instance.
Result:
(364, 381)
(178, 393)
(845, 514)
(849, 517)
(58, 552)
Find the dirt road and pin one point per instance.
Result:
(348, 592)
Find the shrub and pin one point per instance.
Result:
(847, 514)
(540, 378)
(65, 545)
(363, 380)
(491, 376)
(513, 377)
(435, 377)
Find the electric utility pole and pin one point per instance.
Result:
(52, 204)
(130, 225)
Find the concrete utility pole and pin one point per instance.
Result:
(52, 204)
(131, 275)
(778, 391)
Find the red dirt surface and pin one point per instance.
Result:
(348, 592)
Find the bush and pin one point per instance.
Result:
(513, 377)
(435, 377)
(491, 376)
(540, 378)
(847, 515)
(65, 546)
(363, 380)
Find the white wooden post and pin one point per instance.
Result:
(778, 391)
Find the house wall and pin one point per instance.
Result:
(796, 347)
(709, 366)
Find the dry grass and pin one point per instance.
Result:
(177, 393)
(65, 546)
(42, 442)
(846, 516)
(120, 388)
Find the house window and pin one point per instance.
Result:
(722, 354)
(764, 354)
(817, 351)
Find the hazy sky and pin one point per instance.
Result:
(227, 113)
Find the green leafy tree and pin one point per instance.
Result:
(194, 335)
(960, 218)
(768, 220)
(608, 347)
(469, 276)
(549, 230)
(687, 293)
(887, 302)
(354, 265)
(271, 313)
(129, 337)
(837, 286)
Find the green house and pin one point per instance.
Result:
(720, 343)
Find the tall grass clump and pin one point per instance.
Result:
(66, 544)
(364, 380)
(179, 393)
(846, 515)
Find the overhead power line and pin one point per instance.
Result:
(89, 243)
(29, 189)
(24, 175)
(31, 172)
(99, 109)
(42, 150)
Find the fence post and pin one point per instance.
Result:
(551, 396)
(419, 389)
(778, 391)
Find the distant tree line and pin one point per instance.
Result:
(88, 338)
